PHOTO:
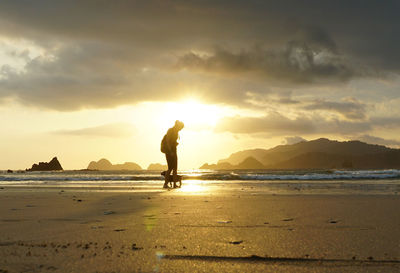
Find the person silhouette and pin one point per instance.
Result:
(168, 147)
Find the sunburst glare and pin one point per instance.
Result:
(192, 112)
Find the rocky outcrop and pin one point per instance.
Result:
(105, 165)
(53, 165)
(102, 164)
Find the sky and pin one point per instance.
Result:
(85, 80)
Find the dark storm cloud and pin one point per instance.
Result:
(108, 53)
(297, 62)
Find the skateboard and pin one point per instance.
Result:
(173, 184)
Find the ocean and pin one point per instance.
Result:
(208, 181)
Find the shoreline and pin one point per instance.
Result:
(205, 187)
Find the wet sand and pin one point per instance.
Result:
(177, 231)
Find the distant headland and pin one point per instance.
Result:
(315, 154)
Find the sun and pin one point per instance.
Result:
(192, 112)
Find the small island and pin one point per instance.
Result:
(105, 165)
(157, 167)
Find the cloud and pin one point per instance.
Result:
(90, 75)
(378, 140)
(298, 62)
(86, 76)
(349, 108)
(109, 53)
(386, 122)
(275, 124)
(293, 140)
(171, 24)
(107, 130)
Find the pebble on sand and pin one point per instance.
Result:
(108, 212)
(236, 242)
(134, 247)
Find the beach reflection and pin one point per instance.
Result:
(194, 187)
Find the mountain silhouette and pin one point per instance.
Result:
(315, 154)
(250, 163)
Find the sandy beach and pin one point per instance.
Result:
(70, 230)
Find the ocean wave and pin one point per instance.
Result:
(71, 176)
(334, 175)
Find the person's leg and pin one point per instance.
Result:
(170, 168)
(170, 164)
(174, 162)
